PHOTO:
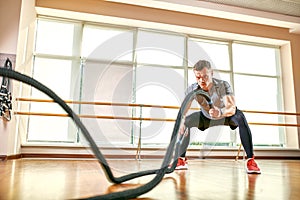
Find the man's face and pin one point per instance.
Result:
(204, 78)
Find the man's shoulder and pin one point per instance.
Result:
(191, 88)
(222, 85)
(218, 81)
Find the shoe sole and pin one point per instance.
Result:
(181, 168)
(253, 172)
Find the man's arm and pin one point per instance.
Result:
(230, 107)
(227, 111)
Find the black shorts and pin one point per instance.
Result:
(197, 119)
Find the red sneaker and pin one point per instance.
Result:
(252, 167)
(181, 164)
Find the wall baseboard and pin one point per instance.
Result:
(89, 156)
(58, 152)
(10, 157)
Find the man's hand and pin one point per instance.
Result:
(215, 112)
(182, 129)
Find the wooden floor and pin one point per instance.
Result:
(30, 179)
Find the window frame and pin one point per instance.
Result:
(185, 66)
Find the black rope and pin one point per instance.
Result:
(131, 193)
(5, 94)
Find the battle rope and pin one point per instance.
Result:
(131, 193)
(5, 95)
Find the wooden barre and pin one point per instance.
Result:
(94, 116)
(273, 124)
(99, 103)
(140, 105)
(131, 118)
(270, 112)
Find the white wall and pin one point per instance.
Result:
(9, 30)
(9, 25)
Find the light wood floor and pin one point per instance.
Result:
(30, 179)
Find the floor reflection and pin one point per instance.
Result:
(252, 178)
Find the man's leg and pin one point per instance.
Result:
(244, 131)
(185, 142)
(246, 139)
(190, 121)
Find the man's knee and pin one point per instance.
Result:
(236, 119)
(239, 115)
(192, 120)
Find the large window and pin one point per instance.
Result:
(56, 64)
(257, 87)
(107, 76)
(96, 63)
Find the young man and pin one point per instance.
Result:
(223, 112)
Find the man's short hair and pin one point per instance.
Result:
(202, 64)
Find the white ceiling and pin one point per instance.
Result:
(279, 13)
(285, 7)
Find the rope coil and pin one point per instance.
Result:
(5, 94)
